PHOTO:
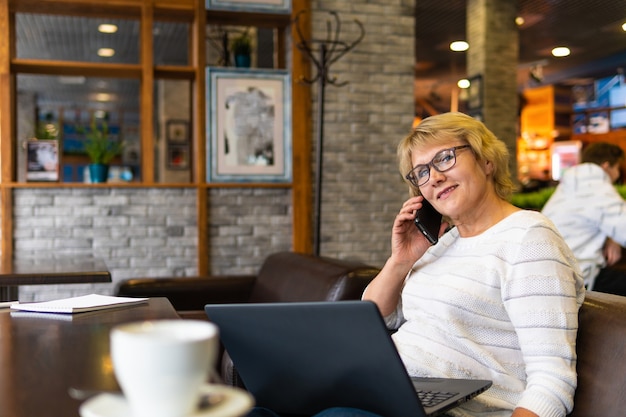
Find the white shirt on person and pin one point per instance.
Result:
(503, 306)
(586, 209)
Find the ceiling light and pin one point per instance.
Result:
(106, 52)
(103, 97)
(72, 79)
(463, 83)
(107, 28)
(519, 20)
(624, 27)
(459, 46)
(560, 51)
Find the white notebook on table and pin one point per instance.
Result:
(91, 302)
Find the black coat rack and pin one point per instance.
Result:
(329, 50)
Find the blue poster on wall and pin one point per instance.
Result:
(74, 137)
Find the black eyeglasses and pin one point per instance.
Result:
(443, 161)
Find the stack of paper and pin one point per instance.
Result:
(92, 302)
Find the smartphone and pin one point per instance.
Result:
(428, 221)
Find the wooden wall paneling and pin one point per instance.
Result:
(7, 90)
(98, 8)
(88, 69)
(302, 136)
(7, 131)
(6, 205)
(147, 94)
(198, 56)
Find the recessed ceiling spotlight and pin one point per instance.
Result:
(106, 52)
(107, 28)
(459, 46)
(72, 79)
(519, 20)
(624, 27)
(560, 51)
(103, 97)
(463, 83)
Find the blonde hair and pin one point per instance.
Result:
(445, 127)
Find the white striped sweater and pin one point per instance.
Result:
(502, 306)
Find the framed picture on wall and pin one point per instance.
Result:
(178, 157)
(266, 6)
(177, 131)
(42, 160)
(248, 125)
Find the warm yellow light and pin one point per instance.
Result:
(624, 27)
(560, 51)
(107, 28)
(463, 83)
(103, 97)
(519, 20)
(106, 52)
(459, 46)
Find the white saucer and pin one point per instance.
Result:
(235, 403)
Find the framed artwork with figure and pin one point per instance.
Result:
(42, 160)
(248, 125)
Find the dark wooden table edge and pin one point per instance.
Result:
(51, 278)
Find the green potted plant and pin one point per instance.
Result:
(101, 151)
(241, 46)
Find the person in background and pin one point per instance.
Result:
(591, 216)
(497, 297)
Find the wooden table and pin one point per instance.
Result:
(77, 270)
(43, 359)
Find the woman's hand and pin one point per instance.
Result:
(612, 252)
(408, 244)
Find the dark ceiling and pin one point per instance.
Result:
(592, 29)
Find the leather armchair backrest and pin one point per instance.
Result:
(601, 350)
(290, 276)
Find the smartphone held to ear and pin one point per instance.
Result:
(428, 221)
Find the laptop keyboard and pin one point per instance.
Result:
(432, 398)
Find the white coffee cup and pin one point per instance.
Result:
(161, 365)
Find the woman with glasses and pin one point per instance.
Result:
(497, 296)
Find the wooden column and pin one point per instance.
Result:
(302, 136)
(147, 94)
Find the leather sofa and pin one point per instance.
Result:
(601, 344)
(283, 277)
(601, 349)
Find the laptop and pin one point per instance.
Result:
(299, 358)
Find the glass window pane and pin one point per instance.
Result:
(171, 43)
(48, 104)
(73, 38)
